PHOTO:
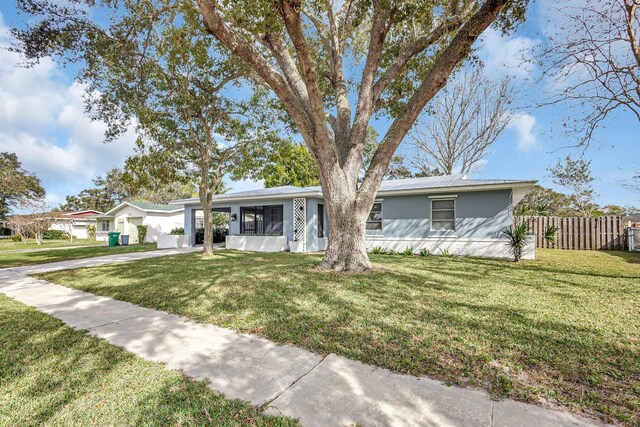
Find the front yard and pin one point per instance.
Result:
(564, 329)
(55, 376)
(10, 245)
(16, 259)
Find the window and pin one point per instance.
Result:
(443, 214)
(321, 221)
(261, 220)
(105, 225)
(374, 222)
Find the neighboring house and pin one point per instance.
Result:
(452, 213)
(75, 222)
(158, 218)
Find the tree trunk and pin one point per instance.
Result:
(208, 230)
(205, 194)
(346, 250)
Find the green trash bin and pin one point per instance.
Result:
(113, 238)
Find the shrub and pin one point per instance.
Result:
(407, 251)
(54, 235)
(142, 233)
(378, 250)
(424, 252)
(91, 231)
(178, 231)
(392, 252)
(16, 238)
(516, 239)
(219, 235)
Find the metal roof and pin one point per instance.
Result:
(434, 183)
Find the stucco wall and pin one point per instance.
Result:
(479, 215)
(157, 223)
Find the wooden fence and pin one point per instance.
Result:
(604, 232)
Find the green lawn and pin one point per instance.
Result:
(8, 244)
(39, 257)
(55, 376)
(563, 329)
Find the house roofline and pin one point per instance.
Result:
(431, 190)
(109, 213)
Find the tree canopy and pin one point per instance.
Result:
(17, 186)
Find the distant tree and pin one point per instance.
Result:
(17, 186)
(633, 184)
(593, 58)
(575, 175)
(118, 185)
(286, 163)
(67, 226)
(465, 119)
(546, 201)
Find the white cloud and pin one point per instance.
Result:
(505, 55)
(42, 120)
(523, 124)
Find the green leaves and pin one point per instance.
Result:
(17, 186)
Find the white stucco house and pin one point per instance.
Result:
(75, 222)
(158, 218)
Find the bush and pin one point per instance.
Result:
(219, 235)
(407, 251)
(142, 233)
(16, 238)
(424, 252)
(178, 231)
(54, 235)
(91, 231)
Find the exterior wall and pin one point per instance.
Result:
(314, 243)
(234, 226)
(257, 243)
(166, 241)
(156, 222)
(480, 218)
(486, 248)
(479, 215)
(161, 223)
(79, 228)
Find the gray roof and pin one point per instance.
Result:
(392, 185)
(145, 206)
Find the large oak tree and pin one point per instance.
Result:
(334, 65)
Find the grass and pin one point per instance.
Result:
(8, 244)
(52, 375)
(563, 329)
(17, 259)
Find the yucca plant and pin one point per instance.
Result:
(517, 238)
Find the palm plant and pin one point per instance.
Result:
(516, 238)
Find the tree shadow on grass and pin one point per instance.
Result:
(53, 375)
(461, 321)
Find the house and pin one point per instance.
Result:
(75, 222)
(159, 219)
(445, 213)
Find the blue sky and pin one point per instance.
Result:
(42, 120)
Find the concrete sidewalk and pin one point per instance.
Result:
(280, 379)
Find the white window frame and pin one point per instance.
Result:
(381, 219)
(102, 222)
(455, 207)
